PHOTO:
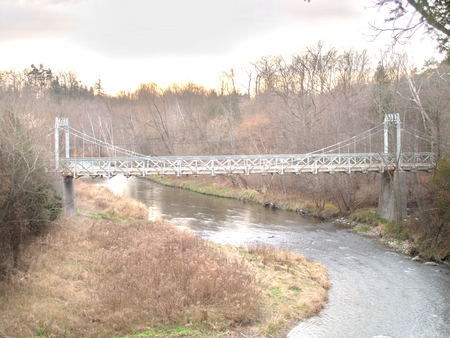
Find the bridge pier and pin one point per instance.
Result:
(392, 198)
(66, 187)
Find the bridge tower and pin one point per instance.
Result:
(61, 122)
(65, 185)
(392, 196)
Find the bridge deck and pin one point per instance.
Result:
(245, 164)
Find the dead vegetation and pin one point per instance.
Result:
(106, 203)
(114, 273)
(292, 288)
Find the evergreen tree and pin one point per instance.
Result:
(98, 88)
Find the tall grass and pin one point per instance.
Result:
(93, 198)
(154, 274)
(102, 277)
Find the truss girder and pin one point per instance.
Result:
(251, 164)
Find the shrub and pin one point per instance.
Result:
(155, 273)
(27, 199)
(441, 185)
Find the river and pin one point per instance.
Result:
(375, 292)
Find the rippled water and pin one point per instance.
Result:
(375, 292)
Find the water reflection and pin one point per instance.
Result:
(375, 292)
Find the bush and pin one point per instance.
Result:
(441, 185)
(27, 199)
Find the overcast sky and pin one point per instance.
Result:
(127, 42)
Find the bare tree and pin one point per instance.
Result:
(151, 104)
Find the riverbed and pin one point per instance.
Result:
(375, 292)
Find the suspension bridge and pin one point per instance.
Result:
(341, 157)
(386, 148)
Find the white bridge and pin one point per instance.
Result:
(366, 152)
(245, 164)
(333, 159)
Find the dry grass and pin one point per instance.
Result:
(292, 287)
(48, 296)
(100, 199)
(159, 274)
(101, 276)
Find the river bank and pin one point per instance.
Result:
(400, 237)
(111, 272)
(395, 243)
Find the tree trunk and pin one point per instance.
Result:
(16, 240)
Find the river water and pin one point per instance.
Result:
(375, 292)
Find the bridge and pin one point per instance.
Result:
(248, 164)
(369, 151)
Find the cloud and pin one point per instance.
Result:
(323, 11)
(29, 20)
(64, 2)
(172, 27)
(141, 29)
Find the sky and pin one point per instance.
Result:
(128, 42)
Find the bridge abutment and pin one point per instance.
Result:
(392, 198)
(66, 187)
